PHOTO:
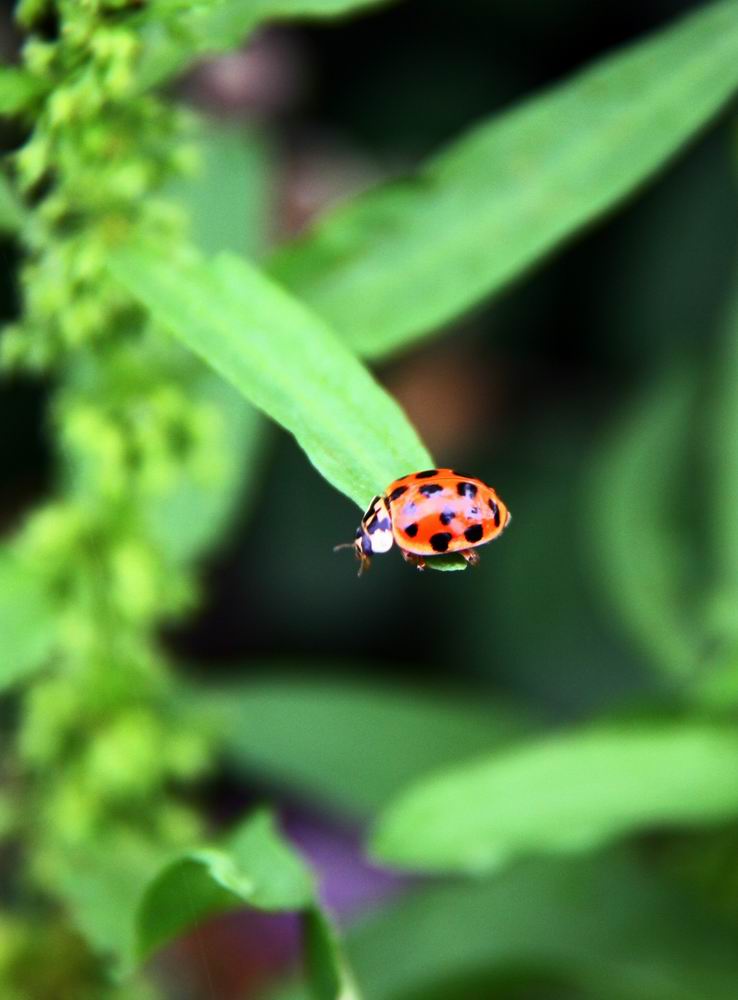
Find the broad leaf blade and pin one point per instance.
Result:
(401, 261)
(129, 900)
(282, 358)
(255, 868)
(349, 744)
(561, 794)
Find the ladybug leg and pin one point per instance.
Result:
(471, 556)
(417, 561)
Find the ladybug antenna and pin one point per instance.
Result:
(343, 545)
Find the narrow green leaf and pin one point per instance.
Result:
(564, 793)
(26, 621)
(401, 261)
(639, 534)
(129, 901)
(176, 37)
(283, 359)
(224, 23)
(349, 744)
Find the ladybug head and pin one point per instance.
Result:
(362, 546)
(374, 534)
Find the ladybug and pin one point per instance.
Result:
(429, 514)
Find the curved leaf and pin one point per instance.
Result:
(285, 360)
(402, 260)
(561, 794)
(129, 901)
(255, 868)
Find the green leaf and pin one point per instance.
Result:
(255, 868)
(349, 744)
(639, 534)
(282, 358)
(26, 620)
(129, 901)
(175, 37)
(564, 793)
(401, 261)
(606, 925)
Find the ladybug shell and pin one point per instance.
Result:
(439, 511)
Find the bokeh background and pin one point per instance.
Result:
(546, 393)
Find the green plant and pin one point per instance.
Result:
(161, 352)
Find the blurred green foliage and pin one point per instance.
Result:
(577, 691)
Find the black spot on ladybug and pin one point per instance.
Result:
(427, 474)
(447, 516)
(473, 533)
(466, 489)
(439, 541)
(430, 489)
(460, 475)
(379, 524)
(411, 530)
(495, 511)
(397, 492)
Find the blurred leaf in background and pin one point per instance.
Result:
(351, 745)
(403, 260)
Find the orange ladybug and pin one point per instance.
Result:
(431, 513)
